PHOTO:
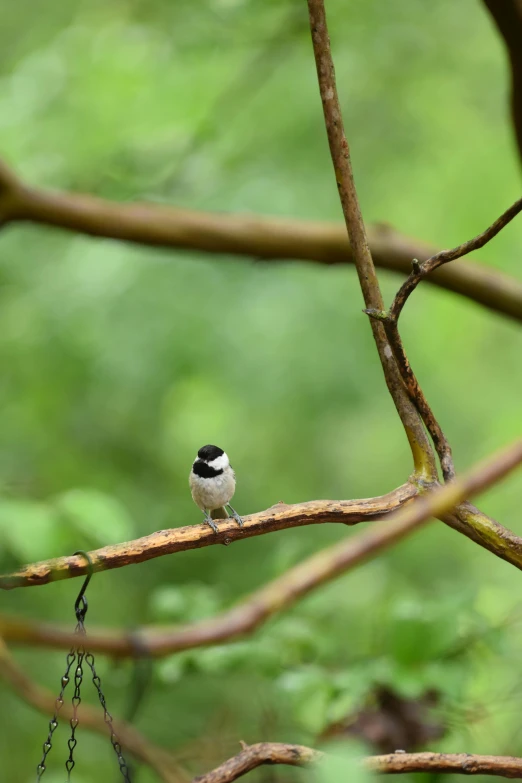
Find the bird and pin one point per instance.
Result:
(212, 484)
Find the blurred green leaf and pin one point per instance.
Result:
(184, 603)
(31, 530)
(101, 519)
(342, 762)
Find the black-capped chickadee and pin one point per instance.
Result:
(213, 483)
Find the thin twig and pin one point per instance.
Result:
(292, 585)
(390, 322)
(43, 700)
(423, 457)
(421, 271)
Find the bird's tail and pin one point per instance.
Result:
(219, 513)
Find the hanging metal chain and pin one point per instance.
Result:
(53, 723)
(107, 717)
(80, 608)
(79, 655)
(76, 701)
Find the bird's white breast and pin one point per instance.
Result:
(212, 493)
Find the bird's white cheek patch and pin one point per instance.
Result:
(220, 463)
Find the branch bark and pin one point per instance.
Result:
(463, 763)
(167, 542)
(390, 321)
(253, 756)
(417, 396)
(507, 15)
(421, 271)
(294, 584)
(422, 452)
(262, 238)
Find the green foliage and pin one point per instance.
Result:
(119, 362)
(95, 516)
(342, 762)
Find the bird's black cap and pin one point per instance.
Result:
(209, 453)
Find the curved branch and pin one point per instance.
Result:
(44, 701)
(486, 532)
(166, 542)
(421, 271)
(296, 582)
(253, 756)
(390, 322)
(507, 15)
(417, 396)
(262, 238)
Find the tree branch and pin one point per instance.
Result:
(180, 539)
(417, 396)
(292, 585)
(507, 15)
(262, 238)
(43, 700)
(422, 452)
(463, 763)
(390, 322)
(486, 532)
(421, 271)
(253, 756)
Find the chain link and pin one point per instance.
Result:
(107, 717)
(79, 655)
(53, 723)
(76, 701)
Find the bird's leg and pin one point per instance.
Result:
(234, 514)
(210, 521)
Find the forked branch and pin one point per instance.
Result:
(180, 539)
(292, 585)
(421, 271)
(390, 321)
(384, 324)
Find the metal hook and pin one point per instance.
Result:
(82, 611)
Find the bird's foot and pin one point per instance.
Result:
(210, 521)
(235, 516)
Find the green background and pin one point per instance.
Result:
(118, 362)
